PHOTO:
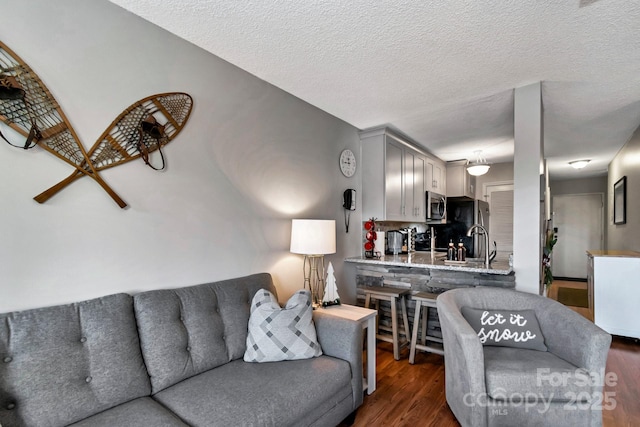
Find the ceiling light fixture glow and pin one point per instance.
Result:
(579, 164)
(480, 166)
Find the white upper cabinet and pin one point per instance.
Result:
(395, 176)
(419, 185)
(459, 182)
(393, 199)
(436, 176)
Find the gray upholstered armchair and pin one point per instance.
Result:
(504, 386)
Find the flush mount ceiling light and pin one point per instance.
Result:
(480, 166)
(579, 164)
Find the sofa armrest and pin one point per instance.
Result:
(342, 339)
(464, 364)
(573, 337)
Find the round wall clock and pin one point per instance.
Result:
(348, 163)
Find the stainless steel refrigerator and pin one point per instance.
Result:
(462, 213)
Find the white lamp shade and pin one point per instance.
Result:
(579, 164)
(477, 170)
(313, 236)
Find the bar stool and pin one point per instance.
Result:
(393, 295)
(426, 300)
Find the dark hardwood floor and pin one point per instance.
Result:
(413, 395)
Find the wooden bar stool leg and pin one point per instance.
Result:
(394, 328)
(405, 318)
(425, 317)
(367, 300)
(414, 334)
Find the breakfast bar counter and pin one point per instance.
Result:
(424, 260)
(419, 272)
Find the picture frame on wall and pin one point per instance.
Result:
(620, 201)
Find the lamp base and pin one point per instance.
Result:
(313, 266)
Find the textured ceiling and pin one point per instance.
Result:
(441, 72)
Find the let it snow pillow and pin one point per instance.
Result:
(506, 328)
(277, 333)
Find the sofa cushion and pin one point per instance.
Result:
(277, 394)
(186, 331)
(507, 328)
(513, 374)
(62, 364)
(276, 333)
(142, 412)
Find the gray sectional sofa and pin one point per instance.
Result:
(170, 358)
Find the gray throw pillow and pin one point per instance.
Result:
(506, 328)
(277, 333)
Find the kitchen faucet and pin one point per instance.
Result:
(470, 231)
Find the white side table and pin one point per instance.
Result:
(367, 319)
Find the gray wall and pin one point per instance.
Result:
(251, 158)
(579, 186)
(590, 185)
(626, 163)
(498, 173)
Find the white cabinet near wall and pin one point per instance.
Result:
(614, 291)
(394, 177)
(459, 182)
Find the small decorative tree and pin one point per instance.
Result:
(331, 296)
(549, 242)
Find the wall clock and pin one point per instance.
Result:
(348, 163)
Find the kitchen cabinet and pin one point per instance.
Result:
(394, 177)
(459, 182)
(614, 291)
(435, 176)
(394, 182)
(419, 185)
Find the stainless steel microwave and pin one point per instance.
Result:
(436, 207)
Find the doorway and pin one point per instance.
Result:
(500, 198)
(579, 219)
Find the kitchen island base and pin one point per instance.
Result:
(418, 273)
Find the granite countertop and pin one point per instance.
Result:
(614, 253)
(424, 260)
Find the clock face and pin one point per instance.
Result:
(348, 163)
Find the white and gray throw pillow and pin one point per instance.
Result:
(277, 333)
(506, 328)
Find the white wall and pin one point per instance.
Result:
(626, 163)
(251, 158)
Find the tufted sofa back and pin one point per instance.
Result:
(186, 331)
(61, 364)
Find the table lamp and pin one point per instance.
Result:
(313, 238)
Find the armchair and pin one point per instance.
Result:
(504, 386)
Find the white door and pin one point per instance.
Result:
(579, 220)
(500, 198)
